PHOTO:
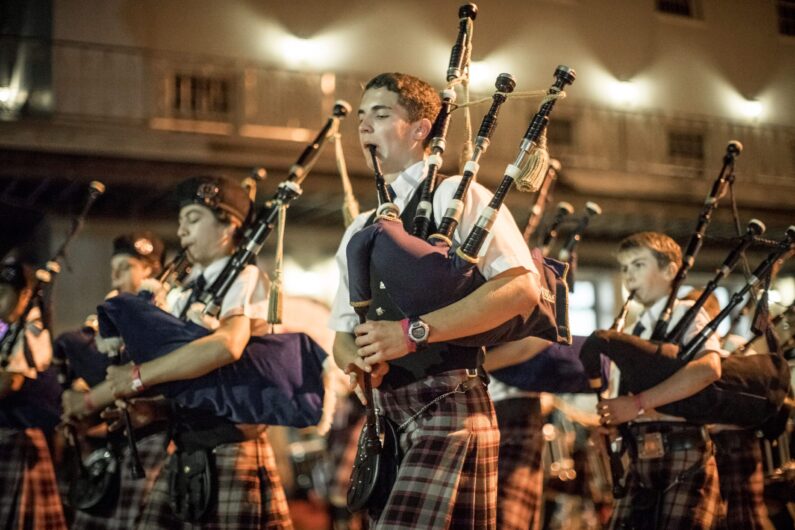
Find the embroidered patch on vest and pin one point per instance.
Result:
(547, 295)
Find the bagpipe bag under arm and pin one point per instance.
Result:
(277, 381)
(556, 369)
(423, 278)
(751, 388)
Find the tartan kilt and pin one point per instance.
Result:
(688, 503)
(133, 493)
(448, 473)
(742, 480)
(250, 493)
(30, 496)
(521, 474)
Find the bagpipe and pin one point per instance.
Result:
(278, 380)
(425, 276)
(725, 178)
(378, 452)
(751, 388)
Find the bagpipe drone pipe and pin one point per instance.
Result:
(278, 380)
(725, 179)
(424, 276)
(751, 388)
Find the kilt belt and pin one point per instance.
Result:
(673, 479)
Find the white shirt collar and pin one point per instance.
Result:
(651, 315)
(213, 270)
(408, 180)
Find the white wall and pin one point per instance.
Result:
(684, 66)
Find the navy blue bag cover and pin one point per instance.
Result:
(277, 381)
(557, 369)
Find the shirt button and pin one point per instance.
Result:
(381, 285)
(379, 311)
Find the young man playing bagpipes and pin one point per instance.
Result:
(29, 395)
(447, 477)
(673, 480)
(223, 474)
(136, 257)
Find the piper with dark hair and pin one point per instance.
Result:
(418, 361)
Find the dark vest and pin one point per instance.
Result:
(433, 359)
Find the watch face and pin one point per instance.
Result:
(418, 332)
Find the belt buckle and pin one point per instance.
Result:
(650, 445)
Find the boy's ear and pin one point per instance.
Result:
(422, 129)
(670, 271)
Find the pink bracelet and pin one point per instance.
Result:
(412, 346)
(639, 403)
(137, 383)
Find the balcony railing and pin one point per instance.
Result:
(241, 100)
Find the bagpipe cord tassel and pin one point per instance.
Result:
(275, 295)
(350, 206)
(537, 166)
(467, 148)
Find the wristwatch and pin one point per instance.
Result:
(418, 332)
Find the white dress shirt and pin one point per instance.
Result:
(248, 295)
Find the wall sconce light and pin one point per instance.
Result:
(624, 93)
(751, 108)
(482, 75)
(299, 52)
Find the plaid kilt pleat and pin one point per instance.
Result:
(250, 493)
(521, 474)
(448, 474)
(133, 493)
(742, 481)
(685, 503)
(29, 496)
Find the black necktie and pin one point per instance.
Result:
(391, 191)
(196, 291)
(636, 331)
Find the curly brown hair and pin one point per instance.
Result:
(417, 96)
(664, 249)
